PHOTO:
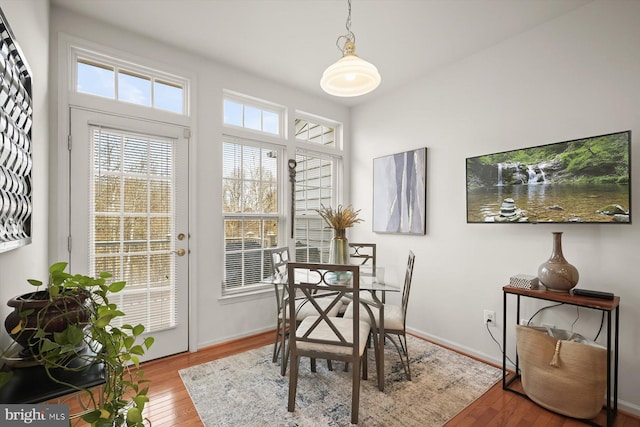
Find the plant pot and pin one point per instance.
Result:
(37, 311)
(556, 274)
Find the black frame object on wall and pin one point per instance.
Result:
(400, 193)
(16, 118)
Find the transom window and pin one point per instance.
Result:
(253, 116)
(315, 133)
(129, 83)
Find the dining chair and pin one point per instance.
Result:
(363, 254)
(325, 335)
(279, 259)
(394, 318)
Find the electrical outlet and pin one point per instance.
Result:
(490, 317)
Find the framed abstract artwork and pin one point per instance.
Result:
(400, 193)
(16, 114)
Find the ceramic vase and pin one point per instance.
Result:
(339, 247)
(556, 274)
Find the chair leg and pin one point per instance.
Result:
(293, 382)
(329, 365)
(355, 391)
(365, 365)
(313, 364)
(406, 355)
(276, 346)
(403, 352)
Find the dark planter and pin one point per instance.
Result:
(50, 316)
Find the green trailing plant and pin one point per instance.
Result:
(89, 339)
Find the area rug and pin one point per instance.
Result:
(247, 390)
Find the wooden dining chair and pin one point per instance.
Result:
(325, 335)
(394, 318)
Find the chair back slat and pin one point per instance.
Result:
(279, 258)
(314, 281)
(363, 254)
(407, 283)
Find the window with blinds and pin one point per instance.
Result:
(316, 179)
(131, 221)
(315, 186)
(251, 210)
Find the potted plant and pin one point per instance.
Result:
(71, 313)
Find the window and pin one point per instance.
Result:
(253, 116)
(321, 134)
(316, 177)
(102, 76)
(251, 211)
(315, 186)
(131, 215)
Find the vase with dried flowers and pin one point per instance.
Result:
(339, 219)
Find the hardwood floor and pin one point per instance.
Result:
(170, 404)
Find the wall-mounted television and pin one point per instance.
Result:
(585, 180)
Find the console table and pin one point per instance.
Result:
(609, 307)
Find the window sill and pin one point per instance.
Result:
(260, 293)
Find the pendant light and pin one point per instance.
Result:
(350, 75)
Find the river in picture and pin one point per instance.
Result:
(548, 202)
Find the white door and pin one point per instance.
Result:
(129, 217)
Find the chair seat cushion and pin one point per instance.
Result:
(393, 316)
(323, 331)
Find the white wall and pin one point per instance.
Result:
(573, 77)
(217, 320)
(29, 21)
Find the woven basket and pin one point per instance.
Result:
(567, 377)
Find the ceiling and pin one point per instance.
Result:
(293, 41)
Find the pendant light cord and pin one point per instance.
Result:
(349, 36)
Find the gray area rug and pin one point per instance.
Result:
(247, 390)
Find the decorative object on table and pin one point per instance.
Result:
(350, 75)
(400, 193)
(339, 220)
(562, 371)
(123, 396)
(556, 274)
(524, 281)
(444, 382)
(16, 117)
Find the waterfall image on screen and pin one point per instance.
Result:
(399, 192)
(584, 180)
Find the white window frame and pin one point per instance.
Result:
(78, 53)
(260, 104)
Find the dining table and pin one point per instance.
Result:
(372, 282)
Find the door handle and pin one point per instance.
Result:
(179, 252)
